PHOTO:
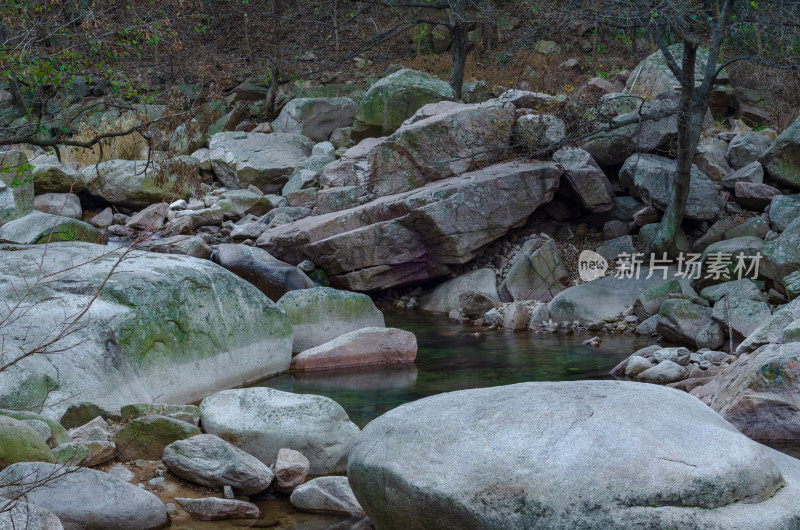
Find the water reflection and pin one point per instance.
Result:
(453, 357)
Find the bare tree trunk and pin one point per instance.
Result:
(690, 119)
(460, 34)
(489, 27)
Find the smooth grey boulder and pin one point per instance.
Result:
(210, 461)
(742, 315)
(636, 365)
(63, 204)
(315, 118)
(710, 158)
(169, 329)
(23, 516)
(261, 421)
(83, 498)
(291, 470)
(746, 148)
(603, 298)
(241, 159)
(568, 455)
(321, 314)
(745, 289)
(130, 183)
(181, 245)
(752, 173)
(271, 276)
(446, 296)
(327, 495)
(684, 322)
(663, 373)
(649, 177)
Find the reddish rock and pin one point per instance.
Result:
(364, 347)
(291, 470)
(760, 393)
(754, 196)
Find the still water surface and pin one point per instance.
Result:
(455, 357)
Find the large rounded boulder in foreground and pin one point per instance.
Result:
(588, 454)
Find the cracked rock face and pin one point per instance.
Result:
(417, 235)
(588, 454)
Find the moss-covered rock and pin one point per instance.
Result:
(187, 413)
(170, 327)
(16, 186)
(39, 227)
(146, 437)
(394, 99)
(321, 314)
(683, 322)
(87, 454)
(20, 443)
(58, 434)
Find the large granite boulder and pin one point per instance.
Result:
(241, 159)
(427, 148)
(84, 499)
(273, 277)
(584, 454)
(16, 186)
(759, 393)
(417, 235)
(131, 183)
(649, 177)
(40, 227)
(261, 421)
(782, 159)
(315, 118)
(165, 328)
(321, 314)
(393, 99)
